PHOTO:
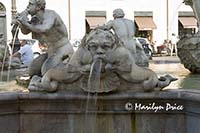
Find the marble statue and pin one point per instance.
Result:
(46, 26)
(195, 5)
(124, 29)
(101, 64)
(105, 61)
(189, 44)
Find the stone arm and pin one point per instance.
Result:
(24, 30)
(21, 16)
(194, 4)
(107, 26)
(38, 28)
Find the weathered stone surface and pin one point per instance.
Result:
(193, 120)
(47, 27)
(195, 5)
(189, 45)
(111, 59)
(66, 112)
(189, 52)
(101, 64)
(166, 123)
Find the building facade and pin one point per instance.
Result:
(156, 19)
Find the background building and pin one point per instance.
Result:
(154, 19)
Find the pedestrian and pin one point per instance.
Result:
(162, 47)
(25, 54)
(173, 44)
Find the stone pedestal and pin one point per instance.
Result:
(128, 112)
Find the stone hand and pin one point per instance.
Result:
(14, 21)
(22, 18)
(23, 13)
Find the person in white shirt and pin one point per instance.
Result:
(173, 44)
(25, 53)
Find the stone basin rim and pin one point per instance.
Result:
(179, 94)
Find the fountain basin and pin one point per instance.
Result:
(65, 112)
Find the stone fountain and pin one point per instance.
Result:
(101, 88)
(189, 45)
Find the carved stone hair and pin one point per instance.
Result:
(118, 13)
(41, 3)
(106, 33)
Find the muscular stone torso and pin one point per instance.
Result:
(123, 28)
(56, 36)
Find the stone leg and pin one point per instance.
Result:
(33, 83)
(61, 56)
(172, 48)
(175, 47)
(35, 66)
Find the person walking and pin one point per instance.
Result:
(173, 44)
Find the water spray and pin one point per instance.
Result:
(12, 48)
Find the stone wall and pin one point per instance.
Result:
(173, 111)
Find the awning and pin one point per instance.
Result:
(95, 21)
(145, 23)
(188, 22)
